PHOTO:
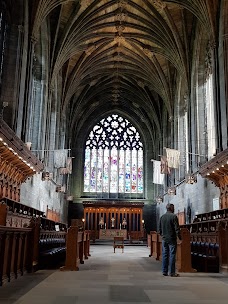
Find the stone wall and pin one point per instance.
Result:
(199, 197)
(38, 194)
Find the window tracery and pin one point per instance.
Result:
(113, 157)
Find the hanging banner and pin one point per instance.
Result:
(68, 168)
(60, 158)
(173, 158)
(158, 177)
(164, 166)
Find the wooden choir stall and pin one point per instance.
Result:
(109, 219)
(216, 170)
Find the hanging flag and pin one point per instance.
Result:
(68, 168)
(164, 166)
(69, 165)
(158, 177)
(173, 158)
(63, 171)
(60, 158)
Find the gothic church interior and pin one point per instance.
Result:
(96, 93)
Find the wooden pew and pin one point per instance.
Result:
(27, 249)
(209, 242)
(223, 246)
(77, 249)
(52, 248)
(86, 245)
(183, 256)
(14, 254)
(205, 251)
(154, 245)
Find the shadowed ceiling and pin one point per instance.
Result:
(125, 55)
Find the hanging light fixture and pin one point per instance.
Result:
(171, 191)
(190, 179)
(159, 199)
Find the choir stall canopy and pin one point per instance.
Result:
(17, 163)
(216, 170)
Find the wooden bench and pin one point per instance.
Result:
(205, 256)
(52, 249)
(15, 259)
(209, 243)
(77, 248)
(118, 242)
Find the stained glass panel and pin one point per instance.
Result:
(113, 157)
(93, 170)
(87, 170)
(114, 172)
(134, 172)
(121, 171)
(128, 171)
(106, 171)
(140, 171)
(99, 169)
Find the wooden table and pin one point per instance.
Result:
(109, 234)
(118, 243)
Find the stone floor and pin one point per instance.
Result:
(120, 278)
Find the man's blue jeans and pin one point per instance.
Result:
(168, 257)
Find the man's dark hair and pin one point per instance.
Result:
(169, 207)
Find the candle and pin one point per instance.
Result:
(105, 225)
(120, 226)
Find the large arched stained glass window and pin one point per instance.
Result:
(113, 157)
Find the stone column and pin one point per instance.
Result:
(28, 90)
(225, 62)
(216, 81)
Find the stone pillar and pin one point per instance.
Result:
(225, 62)
(214, 50)
(28, 90)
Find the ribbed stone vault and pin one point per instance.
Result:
(122, 54)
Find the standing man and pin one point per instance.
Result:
(169, 230)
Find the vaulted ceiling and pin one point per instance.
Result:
(122, 54)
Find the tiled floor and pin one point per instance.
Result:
(119, 278)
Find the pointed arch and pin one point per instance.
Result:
(113, 157)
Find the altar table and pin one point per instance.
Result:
(109, 234)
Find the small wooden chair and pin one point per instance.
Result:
(118, 243)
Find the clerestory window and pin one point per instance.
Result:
(113, 157)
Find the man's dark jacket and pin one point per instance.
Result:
(169, 227)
